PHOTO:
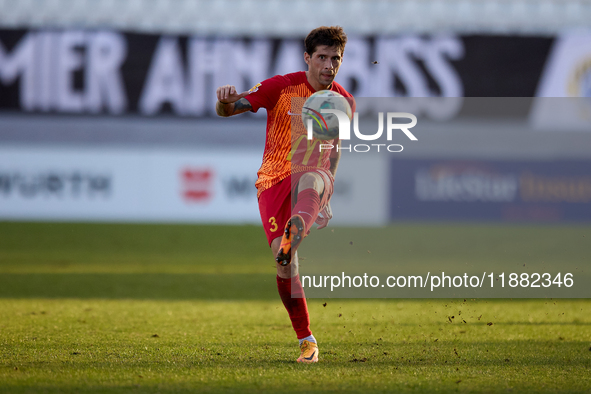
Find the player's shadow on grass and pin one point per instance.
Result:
(557, 354)
(140, 286)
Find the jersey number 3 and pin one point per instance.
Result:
(273, 224)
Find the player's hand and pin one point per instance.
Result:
(227, 94)
(324, 216)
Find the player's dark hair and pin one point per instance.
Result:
(324, 35)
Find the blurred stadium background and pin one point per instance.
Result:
(107, 115)
(106, 107)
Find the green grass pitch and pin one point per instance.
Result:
(106, 308)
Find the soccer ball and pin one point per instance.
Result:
(324, 126)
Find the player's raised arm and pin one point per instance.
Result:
(231, 103)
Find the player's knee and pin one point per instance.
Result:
(284, 271)
(311, 181)
(290, 270)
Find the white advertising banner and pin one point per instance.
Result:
(148, 185)
(128, 185)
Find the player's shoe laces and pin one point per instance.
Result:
(292, 237)
(309, 352)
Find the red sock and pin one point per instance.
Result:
(296, 307)
(308, 206)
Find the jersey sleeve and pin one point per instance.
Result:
(348, 96)
(265, 94)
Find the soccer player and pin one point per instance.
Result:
(295, 176)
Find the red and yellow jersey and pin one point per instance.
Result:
(287, 148)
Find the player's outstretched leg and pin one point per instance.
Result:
(292, 237)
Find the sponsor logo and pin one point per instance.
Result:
(474, 183)
(305, 213)
(311, 357)
(254, 88)
(240, 187)
(464, 184)
(197, 184)
(555, 189)
(55, 184)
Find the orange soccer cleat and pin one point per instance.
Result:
(309, 353)
(292, 237)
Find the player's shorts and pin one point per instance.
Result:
(275, 203)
